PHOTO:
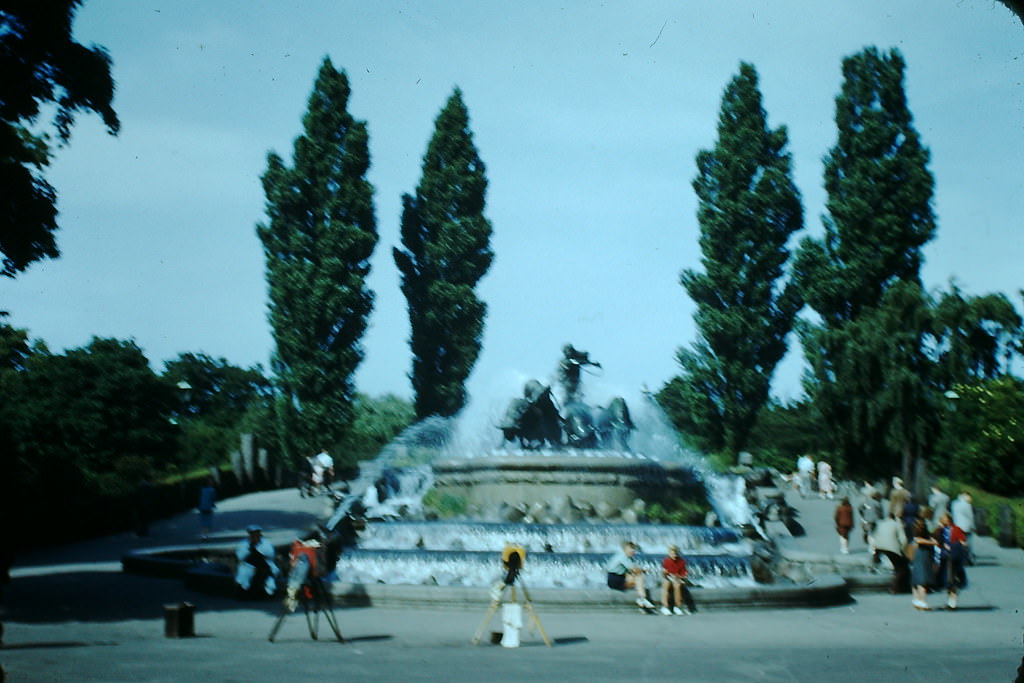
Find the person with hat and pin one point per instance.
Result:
(898, 498)
(673, 578)
(256, 573)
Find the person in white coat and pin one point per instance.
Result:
(962, 511)
(938, 501)
(890, 540)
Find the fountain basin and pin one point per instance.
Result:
(545, 570)
(550, 538)
(465, 553)
(824, 591)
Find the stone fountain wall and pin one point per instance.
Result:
(563, 488)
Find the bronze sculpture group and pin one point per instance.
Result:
(535, 420)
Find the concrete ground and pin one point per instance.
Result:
(72, 615)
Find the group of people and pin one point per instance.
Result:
(257, 573)
(927, 543)
(256, 570)
(809, 475)
(625, 573)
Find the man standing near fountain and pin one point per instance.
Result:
(624, 573)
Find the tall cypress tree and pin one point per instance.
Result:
(320, 234)
(879, 217)
(446, 241)
(749, 207)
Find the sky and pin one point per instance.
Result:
(588, 117)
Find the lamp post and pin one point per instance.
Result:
(951, 398)
(183, 388)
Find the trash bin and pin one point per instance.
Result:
(179, 620)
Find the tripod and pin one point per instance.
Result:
(498, 599)
(309, 591)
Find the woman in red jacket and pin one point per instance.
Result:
(844, 522)
(952, 543)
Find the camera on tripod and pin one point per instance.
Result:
(512, 559)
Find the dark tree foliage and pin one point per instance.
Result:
(785, 431)
(879, 217)
(749, 207)
(217, 404)
(900, 372)
(976, 336)
(79, 432)
(216, 391)
(985, 433)
(378, 420)
(446, 250)
(15, 352)
(89, 416)
(879, 207)
(320, 234)
(41, 65)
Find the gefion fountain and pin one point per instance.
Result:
(566, 480)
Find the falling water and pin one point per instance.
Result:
(475, 434)
(541, 570)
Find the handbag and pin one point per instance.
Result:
(909, 550)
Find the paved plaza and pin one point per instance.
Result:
(71, 615)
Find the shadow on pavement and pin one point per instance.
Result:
(106, 596)
(228, 527)
(571, 640)
(56, 643)
(371, 638)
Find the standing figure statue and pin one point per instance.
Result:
(569, 371)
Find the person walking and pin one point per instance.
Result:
(870, 515)
(826, 487)
(898, 498)
(922, 570)
(938, 501)
(804, 470)
(889, 540)
(844, 522)
(322, 465)
(952, 546)
(207, 504)
(962, 512)
(142, 509)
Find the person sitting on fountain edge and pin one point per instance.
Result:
(624, 573)
(673, 578)
(256, 573)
